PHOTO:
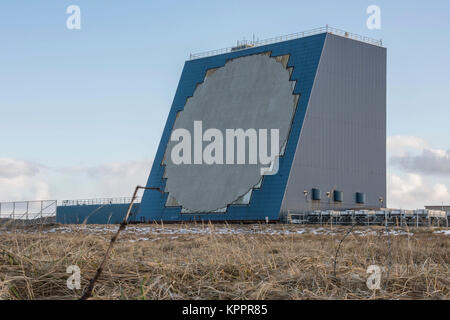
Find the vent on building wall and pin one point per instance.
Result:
(316, 194)
(360, 198)
(338, 196)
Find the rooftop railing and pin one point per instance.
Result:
(99, 201)
(244, 45)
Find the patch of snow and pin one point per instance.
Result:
(444, 232)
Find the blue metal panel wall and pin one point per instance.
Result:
(305, 54)
(95, 214)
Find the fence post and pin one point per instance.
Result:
(417, 219)
(385, 219)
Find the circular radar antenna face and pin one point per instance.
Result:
(249, 93)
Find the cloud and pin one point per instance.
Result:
(21, 180)
(400, 145)
(11, 168)
(429, 162)
(119, 179)
(106, 180)
(420, 174)
(411, 191)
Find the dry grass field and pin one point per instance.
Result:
(225, 262)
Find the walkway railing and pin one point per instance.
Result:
(243, 45)
(80, 202)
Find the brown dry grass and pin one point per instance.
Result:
(212, 266)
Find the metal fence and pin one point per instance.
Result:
(420, 217)
(243, 45)
(28, 211)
